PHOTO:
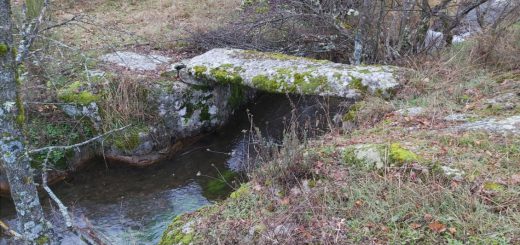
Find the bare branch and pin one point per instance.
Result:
(66, 147)
(29, 33)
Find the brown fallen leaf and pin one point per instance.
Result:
(384, 228)
(415, 226)
(515, 179)
(428, 217)
(452, 230)
(437, 227)
(285, 201)
(359, 203)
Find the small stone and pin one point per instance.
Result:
(456, 174)
(458, 117)
(411, 112)
(370, 155)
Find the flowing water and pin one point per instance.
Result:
(133, 206)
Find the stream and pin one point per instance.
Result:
(134, 205)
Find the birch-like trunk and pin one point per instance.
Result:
(359, 38)
(31, 221)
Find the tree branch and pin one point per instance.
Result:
(29, 33)
(66, 147)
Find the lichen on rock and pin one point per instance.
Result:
(280, 73)
(178, 232)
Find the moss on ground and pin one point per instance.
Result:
(400, 155)
(77, 92)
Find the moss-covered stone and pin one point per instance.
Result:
(178, 232)
(369, 156)
(223, 75)
(3, 49)
(243, 190)
(130, 139)
(263, 82)
(357, 84)
(252, 54)
(200, 71)
(400, 155)
(77, 93)
(281, 73)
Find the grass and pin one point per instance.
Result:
(160, 23)
(306, 192)
(328, 201)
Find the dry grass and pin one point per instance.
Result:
(160, 23)
(311, 195)
(308, 193)
(124, 103)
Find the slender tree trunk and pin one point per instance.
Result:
(359, 39)
(31, 221)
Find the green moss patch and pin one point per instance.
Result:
(251, 54)
(357, 84)
(77, 92)
(242, 191)
(174, 234)
(264, 83)
(200, 71)
(220, 186)
(292, 82)
(130, 139)
(226, 75)
(3, 49)
(400, 155)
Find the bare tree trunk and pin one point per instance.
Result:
(404, 26)
(360, 38)
(31, 221)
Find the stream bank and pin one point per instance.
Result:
(135, 205)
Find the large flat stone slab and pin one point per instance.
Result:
(135, 61)
(279, 73)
